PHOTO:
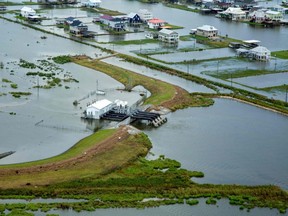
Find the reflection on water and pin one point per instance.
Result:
(230, 142)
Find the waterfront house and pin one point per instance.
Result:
(78, 28)
(155, 23)
(116, 23)
(134, 19)
(257, 16)
(97, 109)
(260, 53)
(3, 8)
(168, 36)
(145, 15)
(27, 11)
(233, 13)
(207, 31)
(92, 3)
(274, 15)
(69, 20)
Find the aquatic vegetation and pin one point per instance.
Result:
(19, 94)
(62, 59)
(26, 64)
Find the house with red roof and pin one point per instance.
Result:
(155, 23)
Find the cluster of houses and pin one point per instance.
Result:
(259, 15)
(245, 10)
(143, 17)
(249, 48)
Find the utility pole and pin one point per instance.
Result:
(286, 93)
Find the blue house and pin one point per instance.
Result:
(134, 19)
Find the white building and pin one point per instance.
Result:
(233, 13)
(168, 36)
(92, 3)
(27, 11)
(274, 15)
(260, 53)
(155, 23)
(145, 15)
(207, 31)
(99, 108)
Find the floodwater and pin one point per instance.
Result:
(264, 81)
(230, 142)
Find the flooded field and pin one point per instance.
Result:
(231, 142)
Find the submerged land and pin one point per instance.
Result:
(109, 169)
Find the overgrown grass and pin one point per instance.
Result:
(283, 54)
(241, 73)
(135, 42)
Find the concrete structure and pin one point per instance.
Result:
(207, 31)
(99, 108)
(168, 36)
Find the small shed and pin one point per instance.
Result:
(97, 109)
(27, 11)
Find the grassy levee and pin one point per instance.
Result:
(283, 54)
(162, 93)
(98, 154)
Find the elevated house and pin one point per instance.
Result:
(116, 23)
(260, 53)
(69, 20)
(233, 13)
(168, 36)
(3, 8)
(92, 3)
(27, 12)
(156, 23)
(145, 15)
(78, 28)
(134, 19)
(273, 15)
(207, 31)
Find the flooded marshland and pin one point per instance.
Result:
(230, 142)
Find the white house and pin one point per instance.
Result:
(168, 36)
(27, 11)
(273, 15)
(92, 3)
(155, 23)
(207, 31)
(98, 108)
(233, 13)
(257, 16)
(145, 15)
(260, 53)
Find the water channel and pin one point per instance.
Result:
(230, 142)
